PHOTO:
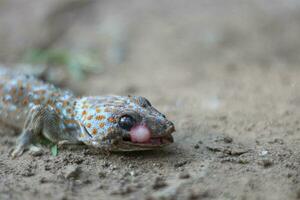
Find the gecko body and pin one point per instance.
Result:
(110, 123)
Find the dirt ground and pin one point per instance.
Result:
(227, 74)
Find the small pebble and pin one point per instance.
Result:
(184, 175)
(106, 165)
(196, 193)
(159, 183)
(123, 190)
(298, 193)
(180, 163)
(263, 153)
(228, 139)
(27, 173)
(36, 153)
(71, 171)
(101, 175)
(276, 141)
(44, 180)
(266, 163)
(133, 173)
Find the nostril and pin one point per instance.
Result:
(166, 123)
(169, 123)
(170, 127)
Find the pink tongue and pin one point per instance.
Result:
(140, 134)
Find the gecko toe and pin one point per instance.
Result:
(35, 150)
(17, 152)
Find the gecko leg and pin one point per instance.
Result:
(41, 121)
(23, 142)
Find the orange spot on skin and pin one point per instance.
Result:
(83, 112)
(42, 98)
(101, 125)
(69, 121)
(107, 110)
(28, 86)
(94, 131)
(25, 101)
(100, 117)
(57, 110)
(98, 110)
(20, 83)
(49, 102)
(85, 107)
(89, 117)
(114, 110)
(55, 94)
(37, 102)
(89, 125)
(112, 120)
(13, 91)
(65, 104)
(40, 92)
(20, 92)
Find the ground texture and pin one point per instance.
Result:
(227, 75)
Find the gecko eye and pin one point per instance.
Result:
(126, 122)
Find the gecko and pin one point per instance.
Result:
(108, 123)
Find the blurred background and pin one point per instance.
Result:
(136, 46)
(216, 68)
(169, 32)
(152, 38)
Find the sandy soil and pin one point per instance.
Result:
(230, 84)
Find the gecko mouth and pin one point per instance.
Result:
(152, 142)
(160, 140)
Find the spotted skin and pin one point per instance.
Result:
(41, 110)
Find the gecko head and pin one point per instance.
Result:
(122, 123)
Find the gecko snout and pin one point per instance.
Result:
(150, 134)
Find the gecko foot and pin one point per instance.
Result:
(33, 150)
(23, 143)
(18, 151)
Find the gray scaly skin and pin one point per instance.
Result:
(41, 110)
